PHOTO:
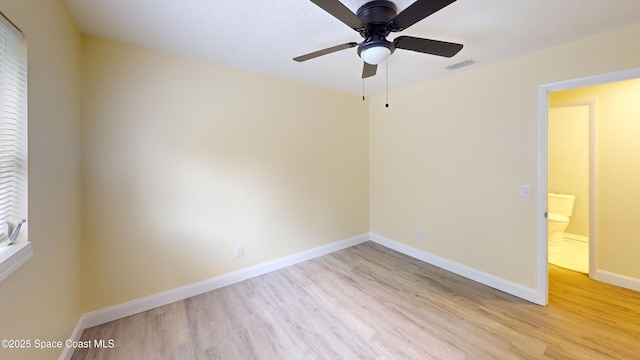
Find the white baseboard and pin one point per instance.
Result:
(509, 287)
(167, 297)
(153, 301)
(618, 280)
(75, 336)
(575, 237)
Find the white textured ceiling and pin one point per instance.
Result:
(263, 36)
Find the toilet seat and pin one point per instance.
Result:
(558, 218)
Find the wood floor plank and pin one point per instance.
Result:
(369, 302)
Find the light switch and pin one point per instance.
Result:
(525, 191)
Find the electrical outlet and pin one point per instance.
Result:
(239, 251)
(420, 235)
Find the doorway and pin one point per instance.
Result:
(572, 169)
(544, 92)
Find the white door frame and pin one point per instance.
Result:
(542, 271)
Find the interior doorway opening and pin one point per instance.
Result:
(544, 92)
(572, 169)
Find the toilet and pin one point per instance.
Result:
(560, 209)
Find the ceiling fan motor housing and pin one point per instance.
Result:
(376, 14)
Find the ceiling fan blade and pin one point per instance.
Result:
(427, 46)
(341, 12)
(368, 70)
(326, 51)
(416, 12)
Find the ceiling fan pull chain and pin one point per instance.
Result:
(363, 89)
(387, 64)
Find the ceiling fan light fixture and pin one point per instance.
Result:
(374, 21)
(375, 55)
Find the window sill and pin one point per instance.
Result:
(14, 256)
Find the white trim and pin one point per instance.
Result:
(495, 282)
(116, 312)
(615, 76)
(14, 256)
(542, 268)
(167, 297)
(542, 252)
(618, 280)
(575, 237)
(593, 188)
(119, 311)
(67, 352)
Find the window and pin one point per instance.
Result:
(14, 247)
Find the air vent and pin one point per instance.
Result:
(461, 64)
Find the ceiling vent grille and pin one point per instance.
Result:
(461, 64)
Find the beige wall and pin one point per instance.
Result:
(41, 299)
(618, 172)
(185, 160)
(448, 156)
(568, 161)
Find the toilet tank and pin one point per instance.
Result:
(561, 204)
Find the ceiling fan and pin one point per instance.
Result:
(377, 19)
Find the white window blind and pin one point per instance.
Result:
(13, 126)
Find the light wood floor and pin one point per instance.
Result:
(369, 302)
